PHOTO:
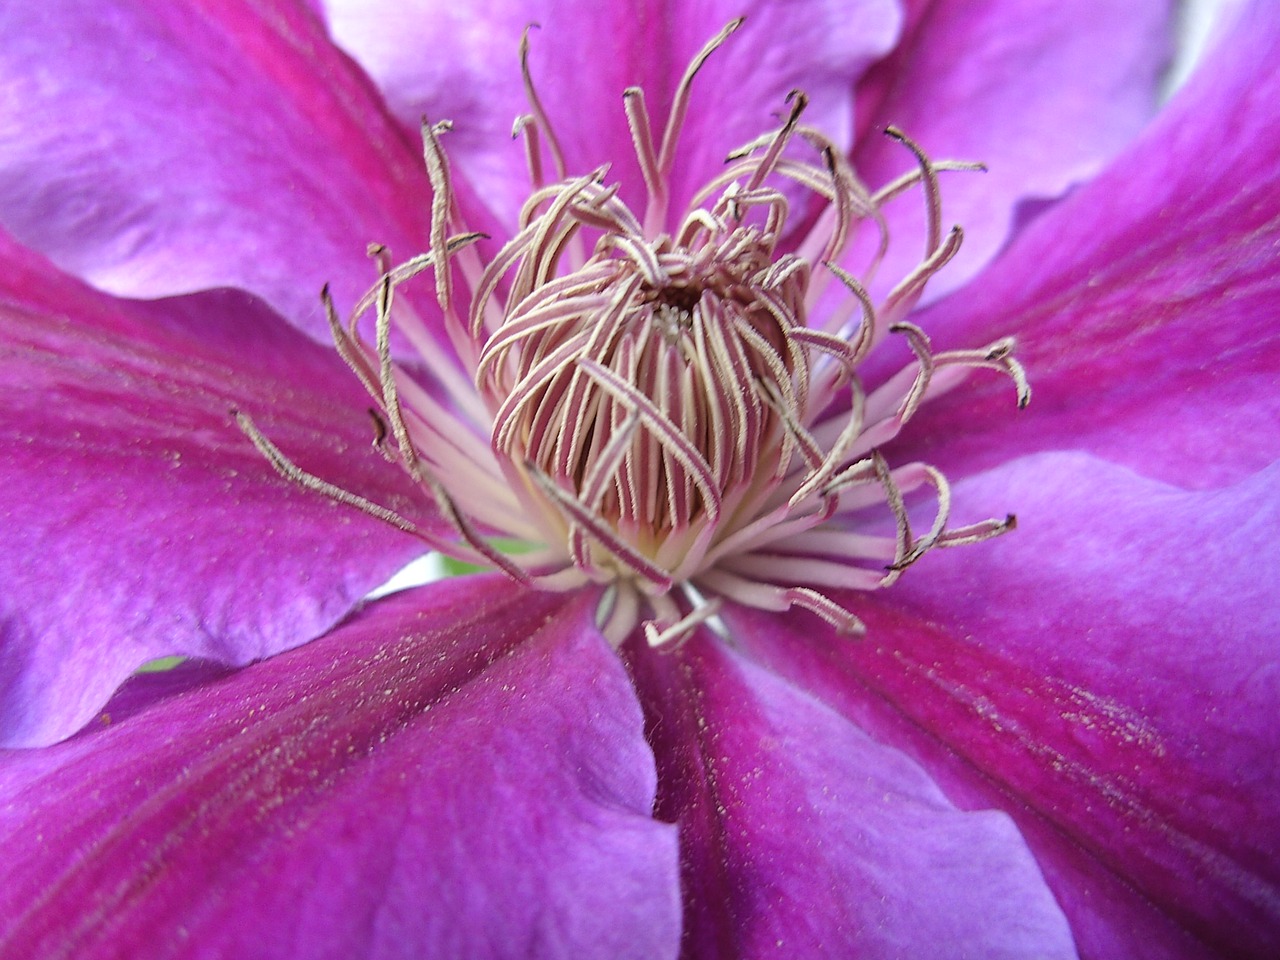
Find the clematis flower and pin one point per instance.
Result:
(728, 695)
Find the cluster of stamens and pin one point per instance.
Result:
(663, 412)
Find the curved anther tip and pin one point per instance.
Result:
(799, 100)
(454, 244)
(524, 38)
(734, 24)
(1000, 349)
(652, 635)
(894, 133)
(631, 92)
(374, 249)
(1011, 521)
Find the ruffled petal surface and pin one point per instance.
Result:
(801, 836)
(139, 521)
(1042, 91)
(1109, 673)
(461, 62)
(1145, 303)
(456, 772)
(156, 148)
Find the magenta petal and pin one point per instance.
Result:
(138, 520)
(803, 837)
(1145, 303)
(445, 61)
(162, 148)
(1042, 91)
(458, 772)
(1110, 673)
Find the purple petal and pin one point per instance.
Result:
(459, 63)
(460, 771)
(801, 836)
(1110, 673)
(1042, 91)
(139, 521)
(163, 148)
(1145, 302)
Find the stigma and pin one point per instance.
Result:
(667, 407)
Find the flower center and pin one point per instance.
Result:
(651, 382)
(666, 409)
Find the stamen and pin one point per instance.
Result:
(661, 414)
(673, 634)
(920, 346)
(309, 481)
(539, 114)
(408, 452)
(680, 103)
(895, 188)
(390, 396)
(867, 327)
(619, 612)
(527, 128)
(441, 203)
(823, 573)
(893, 497)
(977, 532)
(348, 348)
(904, 296)
(830, 611)
(932, 195)
(579, 513)
(379, 433)
(671, 437)
(603, 473)
(922, 546)
(773, 154)
(642, 138)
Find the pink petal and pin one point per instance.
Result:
(801, 836)
(1042, 91)
(462, 63)
(139, 521)
(1110, 674)
(162, 148)
(460, 771)
(1144, 303)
